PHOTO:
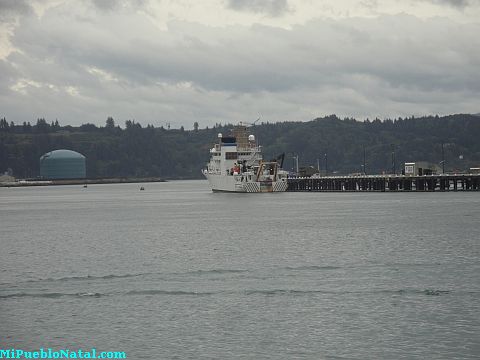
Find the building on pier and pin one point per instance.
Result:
(421, 168)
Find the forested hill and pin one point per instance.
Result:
(136, 151)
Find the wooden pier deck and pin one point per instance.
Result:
(382, 183)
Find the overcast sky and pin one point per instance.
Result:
(212, 61)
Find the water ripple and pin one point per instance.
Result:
(52, 295)
(165, 292)
(313, 267)
(125, 276)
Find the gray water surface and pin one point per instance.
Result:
(179, 272)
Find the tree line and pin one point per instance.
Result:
(337, 145)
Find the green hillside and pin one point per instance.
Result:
(137, 151)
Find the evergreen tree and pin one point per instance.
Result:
(42, 126)
(110, 123)
(4, 125)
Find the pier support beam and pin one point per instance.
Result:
(470, 182)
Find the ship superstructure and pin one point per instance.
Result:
(236, 165)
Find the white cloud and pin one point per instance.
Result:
(22, 85)
(102, 74)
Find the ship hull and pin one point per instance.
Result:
(237, 183)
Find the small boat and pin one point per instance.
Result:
(236, 165)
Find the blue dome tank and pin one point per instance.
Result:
(62, 164)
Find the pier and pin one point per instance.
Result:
(383, 183)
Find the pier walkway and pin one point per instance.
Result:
(382, 183)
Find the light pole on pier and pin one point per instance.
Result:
(364, 167)
(295, 157)
(443, 158)
(326, 164)
(393, 159)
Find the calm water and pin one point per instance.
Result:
(177, 272)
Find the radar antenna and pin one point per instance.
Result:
(243, 123)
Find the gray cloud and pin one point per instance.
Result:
(15, 6)
(457, 3)
(9, 9)
(106, 4)
(112, 5)
(270, 7)
(126, 67)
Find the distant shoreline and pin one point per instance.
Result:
(38, 182)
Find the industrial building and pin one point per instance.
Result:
(62, 164)
(420, 168)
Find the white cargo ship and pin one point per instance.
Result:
(236, 165)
